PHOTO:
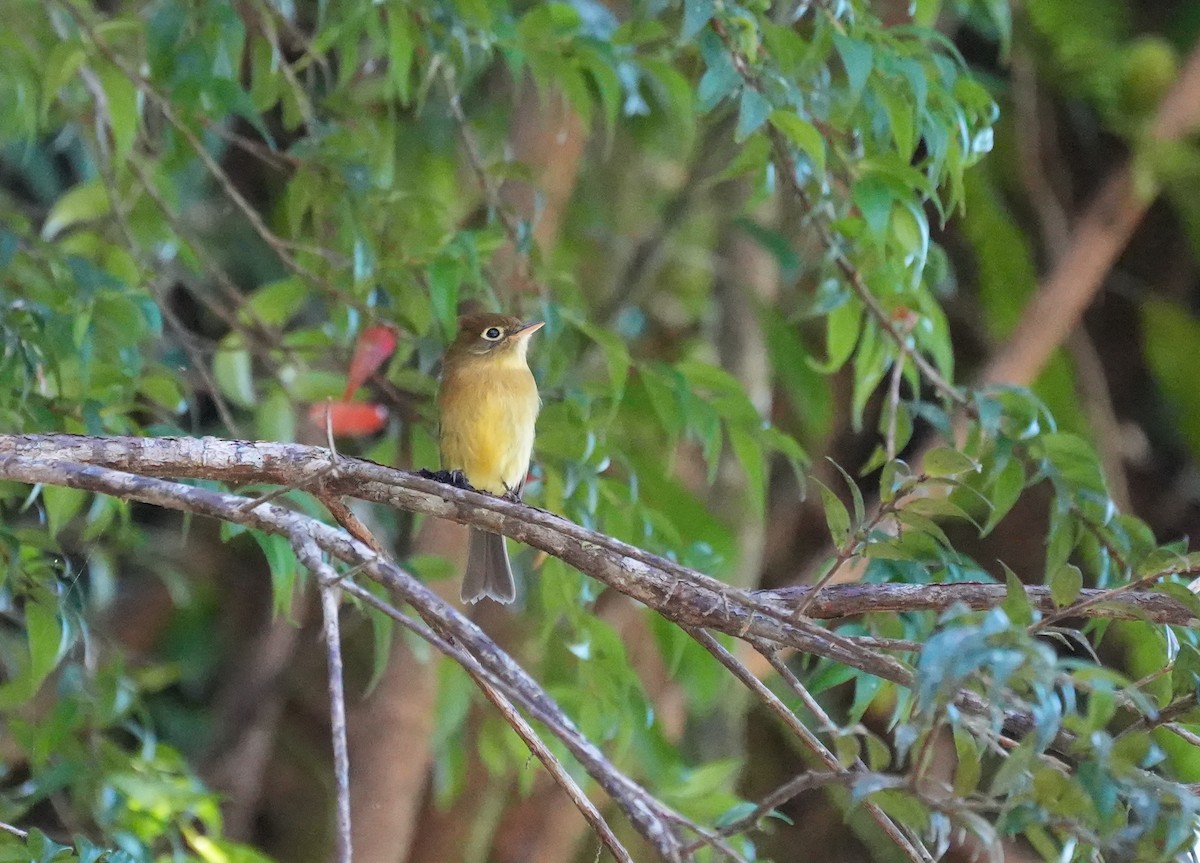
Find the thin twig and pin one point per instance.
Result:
(337, 715)
(15, 831)
(789, 677)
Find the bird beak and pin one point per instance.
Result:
(528, 329)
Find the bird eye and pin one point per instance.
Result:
(491, 334)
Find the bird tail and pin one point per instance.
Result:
(488, 571)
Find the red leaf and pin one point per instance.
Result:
(350, 419)
(375, 344)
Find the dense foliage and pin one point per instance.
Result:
(728, 214)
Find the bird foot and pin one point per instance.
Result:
(455, 478)
(512, 494)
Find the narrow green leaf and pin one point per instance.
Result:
(842, 328)
(121, 108)
(836, 515)
(803, 135)
(856, 58)
(752, 113)
(900, 119)
(63, 62)
(874, 198)
(1004, 492)
(445, 275)
(46, 634)
(969, 766)
(696, 15)
(383, 630)
(749, 452)
(1016, 602)
(284, 569)
(401, 49)
(233, 370)
(855, 493)
(1014, 770)
(87, 201)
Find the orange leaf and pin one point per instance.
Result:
(375, 344)
(350, 419)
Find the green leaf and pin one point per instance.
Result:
(1016, 601)
(62, 504)
(696, 15)
(121, 109)
(969, 765)
(383, 629)
(842, 328)
(233, 370)
(275, 417)
(604, 75)
(1004, 492)
(857, 59)
(401, 50)
(46, 635)
(871, 363)
(855, 493)
(750, 456)
(895, 477)
(1014, 770)
(873, 196)
(284, 569)
(64, 61)
(751, 158)
(836, 515)
(1171, 344)
(900, 119)
(945, 462)
(616, 355)
(752, 113)
(82, 203)
(721, 78)
(1065, 584)
(445, 275)
(431, 567)
(803, 135)
(275, 303)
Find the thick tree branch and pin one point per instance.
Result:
(850, 600)
(679, 593)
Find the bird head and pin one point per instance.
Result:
(493, 335)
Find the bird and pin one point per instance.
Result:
(488, 405)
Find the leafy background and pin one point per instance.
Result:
(764, 238)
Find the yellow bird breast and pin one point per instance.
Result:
(488, 413)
